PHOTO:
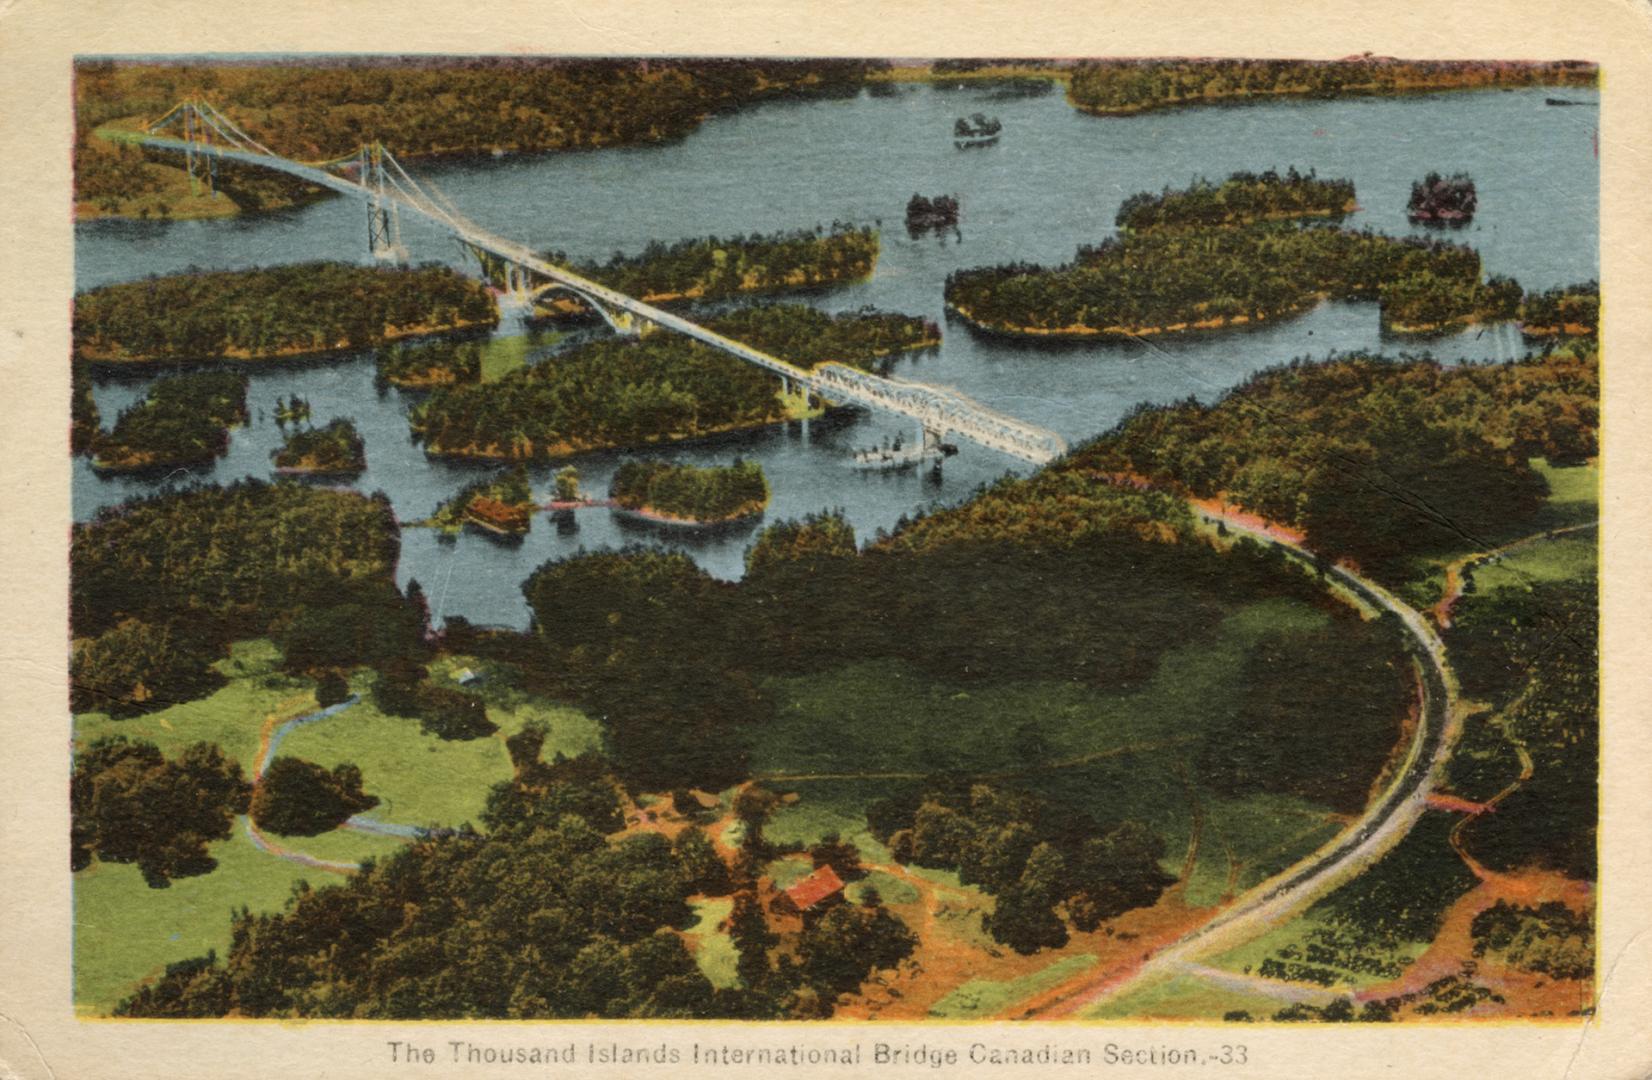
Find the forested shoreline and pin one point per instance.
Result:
(318, 110)
(334, 450)
(272, 312)
(1116, 87)
(182, 420)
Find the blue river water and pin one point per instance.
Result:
(1054, 181)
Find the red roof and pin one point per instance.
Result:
(815, 888)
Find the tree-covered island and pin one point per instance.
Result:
(334, 450)
(713, 268)
(272, 312)
(617, 392)
(1165, 281)
(1442, 200)
(691, 495)
(1571, 311)
(1243, 197)
(183, 420)
(502, 505)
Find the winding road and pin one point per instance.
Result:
(1384, 823)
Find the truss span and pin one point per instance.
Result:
(389, 189)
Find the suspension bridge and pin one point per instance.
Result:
(206, 137)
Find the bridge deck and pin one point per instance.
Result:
(938, 409)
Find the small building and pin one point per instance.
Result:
(816, 894)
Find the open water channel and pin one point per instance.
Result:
(1053, 181)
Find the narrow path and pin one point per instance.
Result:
(1454, 572)
(269, 742)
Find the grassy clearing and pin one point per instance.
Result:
(1559, 559)
(423, 780)
(1247, 839)
(126, 931)
(983, 997)
(1184, 997)
(891, 889)
(713, 949)
(1111, 755)
(890, 718)
(1574, 499)
(232, 717)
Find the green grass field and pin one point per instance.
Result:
(984, 997)
(126, 931)
(1113, 755)
(1574, 499)
(503, 355)
(714, 950)
(1184, 997)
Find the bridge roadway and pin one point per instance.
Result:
(939, 410)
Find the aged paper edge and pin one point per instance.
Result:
(38, 39)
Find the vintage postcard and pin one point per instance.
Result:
(851, 557)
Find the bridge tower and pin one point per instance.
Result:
(384, 222)
(202, 165)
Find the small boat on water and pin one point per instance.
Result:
(898, 455)
(977, 130)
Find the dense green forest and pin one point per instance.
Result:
(1533, 654)
(713, 268)
(84, 420)
(1374, 459)
(807, 336)
(690, 493)
(272, 311)
(1243, 197)
(1125, 86)
(623, 392)
(336, 448)
(130, 804)
(432, 362)
(236, 561)
(1032, 856)
(320, 109)
(1208, 277)
(1572, 310)
(182, 420)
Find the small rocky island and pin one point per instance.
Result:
(1437, 200)
(922, 213)
(334, 450)
(977, 130)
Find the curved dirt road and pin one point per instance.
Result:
(1378, 829)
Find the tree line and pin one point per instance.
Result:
(1124, 86)
(1030, 855)
(272, 311)
(692, 493)
(546, 912)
